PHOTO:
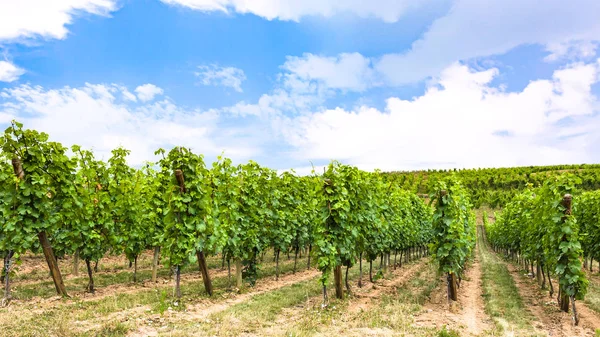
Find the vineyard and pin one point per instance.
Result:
(183, 247)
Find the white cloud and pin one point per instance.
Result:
(98, 116)
(386, 10)
(9, 72)
(147, 92)
(221, 76)
(46, 19)
(350, 71)
(474, 28)
(571, 50)
(461, 121)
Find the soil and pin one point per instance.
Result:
(546, 312)
(467, 315)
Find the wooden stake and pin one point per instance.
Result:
(204, 271)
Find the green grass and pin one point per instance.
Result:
(448, 333)
(592, 298)
(501, 296)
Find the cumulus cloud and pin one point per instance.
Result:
(347, 71)
(474, 28)
(9, 72)
(100, 117)
(46, 19)
(230, 77)
(461, 121)
(386, 10)
(147, 92)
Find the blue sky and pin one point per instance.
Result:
(378, 84)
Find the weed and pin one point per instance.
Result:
(448, 333)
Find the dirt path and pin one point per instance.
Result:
(471, 301)
(545, 310)
(467, 315)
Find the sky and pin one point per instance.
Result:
(388, 84)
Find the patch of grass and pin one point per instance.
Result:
(263, 309)
(592, 298)
(500, 293)
(448, 333)
(113, 330)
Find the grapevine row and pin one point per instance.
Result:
(539, 226)
(65, 202)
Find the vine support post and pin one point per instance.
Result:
(7, 262)
(538, 272)
(76, 263)
(52, 265)
(452, 293)
(44, 242)
(238, 273)
(135, 268)
(309, 250)
(337, 276)
(155, 263)
(204, 270)
(178, 282)
(296, 258)
(360, 270)
(277, 265)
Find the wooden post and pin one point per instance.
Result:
(76, 263)
(309, 251)
(204, 271)
(346, 280)
(360, 270)
(7, 261)
(155, 263)
(452, 293)
(178, 282)
(337, 276)
(564, 301)
(238, 273)
(296, 258)
(52, 265)
(135, 269)
(44, 242)
(277, 265)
